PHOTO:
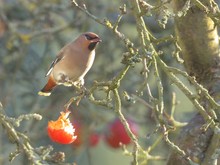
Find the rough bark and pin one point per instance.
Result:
(193, 140)
(198, 38)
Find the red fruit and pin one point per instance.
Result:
(84, 136)
(117, 134)
(94, 139)
(78, 142)
(61, 131)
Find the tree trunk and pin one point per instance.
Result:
(198, 38)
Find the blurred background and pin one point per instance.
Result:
(31, 34)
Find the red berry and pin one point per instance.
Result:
(94, 139)
(78, 132)
(117, 134)
(84, 136)
(61, 131)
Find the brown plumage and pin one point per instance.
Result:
(72, 63)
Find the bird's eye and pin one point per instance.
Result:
(88, 37)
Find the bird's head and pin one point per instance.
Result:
(89, 40)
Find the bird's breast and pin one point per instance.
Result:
(73, 66)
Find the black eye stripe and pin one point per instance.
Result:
(89, 37)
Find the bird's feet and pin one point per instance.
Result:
(79, 85)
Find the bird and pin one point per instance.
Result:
(72, 63)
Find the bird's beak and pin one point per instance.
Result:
(97, 40)
(93, 43)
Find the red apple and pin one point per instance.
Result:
(85, 136)
(117, 134)
(62, 131)
(94, 139)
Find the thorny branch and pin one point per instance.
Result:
(39, 155)
(148, 48)
(131, 57)
(19, 138)
(114, 84)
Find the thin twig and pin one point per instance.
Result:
(175, 147)
(126, 125)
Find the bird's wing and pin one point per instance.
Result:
(59, 57)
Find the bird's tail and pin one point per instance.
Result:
(47, 89)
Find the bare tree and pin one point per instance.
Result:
(143, 57)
